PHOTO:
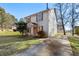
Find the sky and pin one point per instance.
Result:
(20, 10)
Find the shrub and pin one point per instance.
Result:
(42, 34)
(21, 27)
(14, 30)
(77, 31)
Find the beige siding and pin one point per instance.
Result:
(33, 18)
(49, 22)
(45, 22)
(52, 23)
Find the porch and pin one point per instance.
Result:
(34, 29)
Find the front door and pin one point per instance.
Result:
(35, 30)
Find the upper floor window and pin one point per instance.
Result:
(39, 17)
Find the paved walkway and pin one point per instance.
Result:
(50, 47)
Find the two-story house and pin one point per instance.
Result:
(43, 20)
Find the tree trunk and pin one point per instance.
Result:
(63, 27)
(72, 30)
(62, 21)
(72, 19)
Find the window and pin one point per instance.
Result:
(39, 17)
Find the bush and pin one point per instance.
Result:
(77, 31)
(21, 27)
(14, 30)
(42, 34)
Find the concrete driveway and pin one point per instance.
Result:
(51, 47)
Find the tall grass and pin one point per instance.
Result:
(75, 45)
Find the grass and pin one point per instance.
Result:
(11, 43)
(74, 41)
(8, 33)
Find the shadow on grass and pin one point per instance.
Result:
(10, 44)
(10, 35)
(14, 38)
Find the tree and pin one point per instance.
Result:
(61, 15)
(62, 19)
(72, 19)
(68, 14)
(21, 27)
(2, 20)
(22, 19)
(10, 20)
(75, 15)
(6, 19)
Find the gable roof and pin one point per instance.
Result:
(38, 12)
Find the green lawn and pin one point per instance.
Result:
(8, 33)
(75, 45)
(12, 43)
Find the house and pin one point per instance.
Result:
(14, 28)
(44, 20)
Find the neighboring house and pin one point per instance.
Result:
(44, 20)
(14, 27)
